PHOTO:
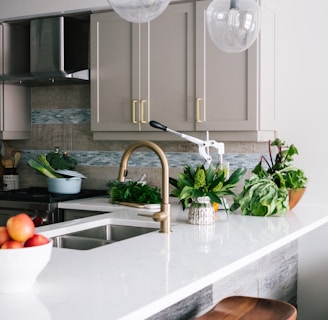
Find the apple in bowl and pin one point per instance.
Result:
(23, 254)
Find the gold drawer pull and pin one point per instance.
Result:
(143, 102)
(134, 103)
(198, 100)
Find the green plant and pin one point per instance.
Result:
(48, 163)
(281, 170)
(266, 192)
(61, 161)
(41, 164)
(261, 197)
(133, 192)
(200, 182)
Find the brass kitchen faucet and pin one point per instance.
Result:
(164, 216)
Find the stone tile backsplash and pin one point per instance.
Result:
(61, 118)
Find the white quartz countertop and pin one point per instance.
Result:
(138, 277)
(100, 203)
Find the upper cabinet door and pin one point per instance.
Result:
(229, 87)
(170, 82)
(111, 73)
(221, 83)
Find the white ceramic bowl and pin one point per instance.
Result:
(64, 185)
(19, 268)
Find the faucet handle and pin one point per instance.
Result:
(145, 215)
(157, 216)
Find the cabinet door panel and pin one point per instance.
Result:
(171, 64)
(111, 74)
(222, 83)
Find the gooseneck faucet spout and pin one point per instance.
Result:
(164, 216)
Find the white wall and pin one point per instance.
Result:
(302, 87)
(302, 107)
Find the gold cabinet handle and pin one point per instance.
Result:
(198, 119)
(143, 102)
(134, 104)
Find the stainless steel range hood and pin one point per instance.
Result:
(59, 49)
(58, 52)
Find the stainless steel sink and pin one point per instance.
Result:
(99, 236)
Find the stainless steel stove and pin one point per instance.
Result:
(38, 203)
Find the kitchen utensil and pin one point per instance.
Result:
(8, 162)
(64, 185)
(8, 149)
(70, 173)
(17, 157)
(203, 145)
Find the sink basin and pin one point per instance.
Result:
(99, 236)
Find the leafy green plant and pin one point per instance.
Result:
(198, 182)
(61, 161)
(266, 192)
(261, 197)
(41, 164)
(133, 191)
(48, 163)
(281, 170)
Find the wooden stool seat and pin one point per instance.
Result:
(249, 308)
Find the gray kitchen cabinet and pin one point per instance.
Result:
(15, 99)
(15, 112)
(141, 72)
(171, 71)
(235, 92)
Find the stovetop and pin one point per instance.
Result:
(42, 195)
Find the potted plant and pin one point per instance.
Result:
(202, 187)
(276, 185)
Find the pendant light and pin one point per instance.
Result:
(138, 11)
(233, 25)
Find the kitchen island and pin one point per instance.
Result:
(139, 277)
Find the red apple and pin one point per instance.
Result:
(20, 227)
(38, 221)
(4, 235)
(36, 240)
(12, 244)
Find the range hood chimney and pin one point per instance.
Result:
(59, 49)
(44, 51)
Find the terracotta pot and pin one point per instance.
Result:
(295, 196)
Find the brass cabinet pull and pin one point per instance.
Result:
(143, 102)
(198, 119)
(134, 103)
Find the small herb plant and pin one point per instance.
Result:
(133, 191)
(200, 182)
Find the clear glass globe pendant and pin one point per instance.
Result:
(233, 25)
(138, 11)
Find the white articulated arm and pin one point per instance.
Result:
(203, 145)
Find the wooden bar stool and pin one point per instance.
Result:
(249, 308)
